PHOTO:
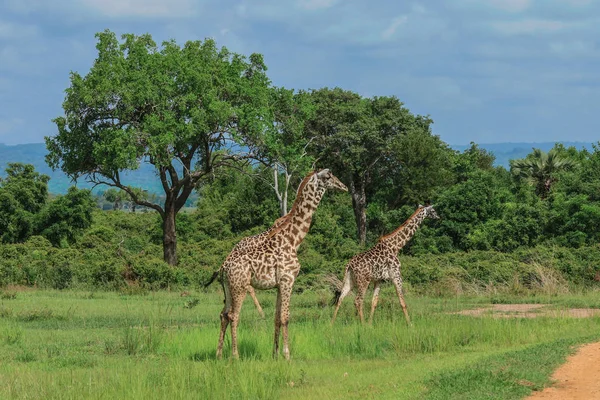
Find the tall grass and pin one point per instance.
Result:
(112, 345)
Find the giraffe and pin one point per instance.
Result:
(379, 264)
(273, 263)
(246, 244)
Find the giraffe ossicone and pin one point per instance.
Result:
(379, 264)
(272, 262)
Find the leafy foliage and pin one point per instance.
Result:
(540, 169)
(177, 108)
(66, 217)
(23, 193)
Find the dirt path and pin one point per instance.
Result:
(577, 379)
(528, 311)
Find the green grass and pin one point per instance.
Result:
(508, 376)
(105, 345)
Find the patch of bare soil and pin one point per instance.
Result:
(528, 311)
(577, 379)
(505, 311)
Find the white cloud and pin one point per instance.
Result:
(528, 26)
(142, 8)
(391, 29)
(316, 4)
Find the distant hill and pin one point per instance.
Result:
(35, 154)
(145, 177)
(511, 151)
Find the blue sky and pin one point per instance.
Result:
(487, 71)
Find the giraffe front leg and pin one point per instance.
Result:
(398, 285)
(375, 299)
(285, 288)
(277, 325)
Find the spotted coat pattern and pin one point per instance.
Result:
(251, 242)
(272, 262)
(380, 264)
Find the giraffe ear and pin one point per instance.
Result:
(420, 206)
(323, 173)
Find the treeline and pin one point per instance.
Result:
(499, 231)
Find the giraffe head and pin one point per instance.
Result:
(326, 180)
(429, 212)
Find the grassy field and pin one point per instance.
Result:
(108, 345)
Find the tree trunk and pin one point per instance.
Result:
(282, 196)
(284, 200)
(169, 234)
(359, 203)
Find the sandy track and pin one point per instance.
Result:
(528, 311)
(577, 379)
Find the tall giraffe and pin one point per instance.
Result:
(248, 243)
(273, 263)
(245, 244)
(379, 264)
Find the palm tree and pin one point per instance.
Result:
(539, 169)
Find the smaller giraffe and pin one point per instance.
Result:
(380, 264)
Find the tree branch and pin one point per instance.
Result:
(117, 183)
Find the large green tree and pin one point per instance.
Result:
(419, 167)
(181, 109)
(283, 147)
(355, 137)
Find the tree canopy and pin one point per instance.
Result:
(360, 138)
(540, 169)
(25, 209)
(183, 109)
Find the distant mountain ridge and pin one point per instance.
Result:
(505, 152)
(35, 154)
(146, 178)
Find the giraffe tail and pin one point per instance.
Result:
(212, 278)
(336, 287)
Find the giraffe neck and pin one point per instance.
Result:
(298, 220)
(405, 232)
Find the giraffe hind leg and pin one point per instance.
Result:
(375, 299)
(256, 303)
(277, 325)
(361, 289)
(224, 319)
(346, 288)
(398, 285)
(237, 299)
